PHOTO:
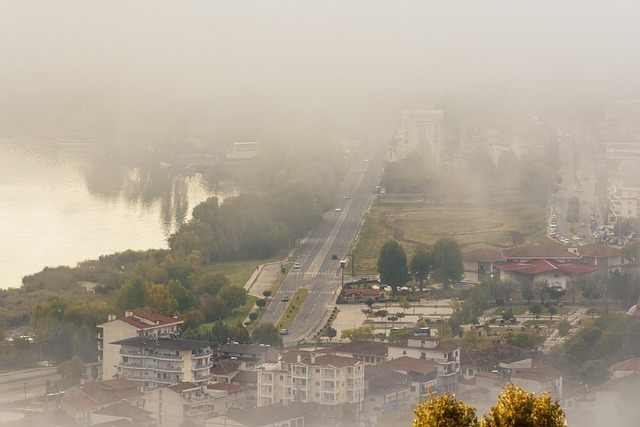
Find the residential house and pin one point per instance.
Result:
(264, 416)
(239, 396)
(446, 357)
(224, 370)
(156, 362)
(185, 403)
(423, 374)
(604, 256)
(370, 352)
(474, 361)
(532, 372)
(385, 391)
(250, 355)
(307, 377)
(481, 264)
(249, 379)
(133, 324)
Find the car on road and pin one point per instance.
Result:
(284, 331)
(285, 298)
(297, 266)
(565, 240)
(348, 196)
(334, 256)
(338, 210)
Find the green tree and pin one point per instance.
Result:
(330, 333)
(631, 252)
(420, 265)
(71, 371)
(253, 316)
(553, 310)
(444, 411)
(131, 295)
(392, 264)
(214, 308)
(267, 334)
(528, 293)
(261, 303)
(266, 294)
(211, 283)
(404, 303)
(235, 296)
(181, 294)
(159, 301)
(526, 340)
(399, 335)
(363, 333)
(447, 262)
(564, 327)
(517, 408)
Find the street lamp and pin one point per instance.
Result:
(343, 264)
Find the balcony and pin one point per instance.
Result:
(161, 356)
(173, 369)
(201, 366)
(201, 354)
(133, 365)
(133, 353)
(200, 378)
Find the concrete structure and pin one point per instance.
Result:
(185, 403)
(480, 264)
(603, 256)
(446, 357)
(243, 151)
(307, 377)
(133, 324)
(249, 355)
(156, 362)
(420, 130)
(532, 372)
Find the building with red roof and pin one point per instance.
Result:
(133, 324)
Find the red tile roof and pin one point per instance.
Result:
(229, 388)
(483, 255)
(597, 250)
(538, 252)
(411, 364)
(80, 402)
(537, 266)
(632, 364)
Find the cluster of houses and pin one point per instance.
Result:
(151, 377)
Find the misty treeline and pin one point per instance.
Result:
(480, 179)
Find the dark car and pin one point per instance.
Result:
(285, 298)
(334, 256)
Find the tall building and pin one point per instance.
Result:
(305, 377)
(133, 324)
(156, 362)
(420, 130)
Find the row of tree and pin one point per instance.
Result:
(442, 264)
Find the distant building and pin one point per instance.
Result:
(265, 416)
(420, 130)
(243, 151)
(184, 403)
(248, 355)
(133, 324)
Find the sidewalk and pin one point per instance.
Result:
(263, 279)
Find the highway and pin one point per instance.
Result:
(319, 273)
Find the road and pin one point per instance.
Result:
(15, 386)
(319, 273)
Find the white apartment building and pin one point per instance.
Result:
(420, 130)
(305, 377)
(624, 197)
(133, 324)
(156, 362)
(184, 403)
(446, 357)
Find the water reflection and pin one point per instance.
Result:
(63, 202)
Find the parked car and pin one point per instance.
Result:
(284, 331)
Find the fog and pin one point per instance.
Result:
(330, 62)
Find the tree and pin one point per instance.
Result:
(527, 290)
(552, 311)
(363, 333)
(267, 334)
(131, 295)
(631, 252)
(330, 333)
(253, 316)
(159, 301)
(404, 304)
(261, 303)
(517, 408)
(526, 340)
(447, 262)
(445, 410)
(556, 293)
(235, 296)
(71, 372)
(564, 327)
(266, 294)
(420, 265)
(399, 335)
(392, 264)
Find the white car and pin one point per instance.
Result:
(338, 210)
(284, 332)
(297, 266)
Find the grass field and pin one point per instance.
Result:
(414, 222)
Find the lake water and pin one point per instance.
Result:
(59, 205)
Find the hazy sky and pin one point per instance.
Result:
(315, 54)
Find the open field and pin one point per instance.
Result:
(415, 222)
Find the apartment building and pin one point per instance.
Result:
(185, 403)
(156, 362)
(446, 357)
(420, 130)
(133, 324)
(306, 377)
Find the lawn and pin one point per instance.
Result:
(238, 272)
(413, 222)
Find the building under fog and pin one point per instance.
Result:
(420, 130)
